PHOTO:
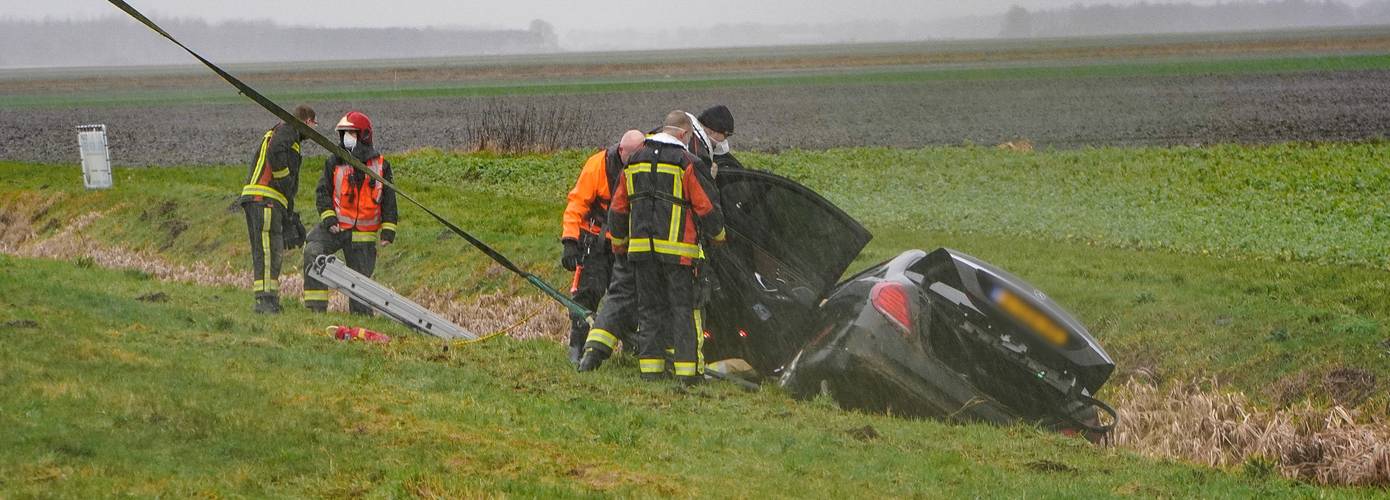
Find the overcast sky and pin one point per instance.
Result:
(565, 15)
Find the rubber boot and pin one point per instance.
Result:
(267, 305)
(691, 380)
(576, 353)
(591, 360)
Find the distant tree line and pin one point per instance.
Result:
(118, 41)
(1145, 17)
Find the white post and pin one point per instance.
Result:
(96, 159)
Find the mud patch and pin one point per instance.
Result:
(159, 211)
(19, 324)
(1290, 389)
(864, 434)
(1349, 386)
(1049, 466)
(156, 297)
(172, 229)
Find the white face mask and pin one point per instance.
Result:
(721, 147)
(349, 141)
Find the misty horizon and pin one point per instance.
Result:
(48, 43)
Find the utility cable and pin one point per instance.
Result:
(335, 149)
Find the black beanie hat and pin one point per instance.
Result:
(718, 119)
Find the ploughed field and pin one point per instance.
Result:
(1263, 87)
(1063, 112)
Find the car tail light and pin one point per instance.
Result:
(890, 298)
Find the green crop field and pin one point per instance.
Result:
(1258, 270)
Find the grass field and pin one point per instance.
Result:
(1255, 269)
(187, 396)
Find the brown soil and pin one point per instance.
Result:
(1044, 113)
(1349, 386)
(736, 61)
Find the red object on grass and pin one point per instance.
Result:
(363, 334)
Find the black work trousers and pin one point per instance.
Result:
(360, 256)
(666, 295)
(590, 283)
(616, 319)
(265, 225)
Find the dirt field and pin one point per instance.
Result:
(1062, 113)
(701, 62)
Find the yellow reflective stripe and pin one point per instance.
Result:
(721, 236)
(260, 157)
(319, 295)
(677, 248)
(295, 147)
(664, 168)
(280, 174)
(700, 340)
(677, 211)
(266, 191)
(362, 237)
(388, 225)
(618, 241)
(686, 369)
(603, 337)
(651, 365)
(265, 244)
(258, 286)
(264, 286)
(327, 214)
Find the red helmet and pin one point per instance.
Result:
(357, 121)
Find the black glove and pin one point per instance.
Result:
(388, 235)
(294, 232)
(327, 224)
(572, 255)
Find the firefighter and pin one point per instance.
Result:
(718, 125)
(587, 251)
(268, 200)
(356, 213)
(664, 206)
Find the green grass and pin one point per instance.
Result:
(1249, 264)
(906, 75)
(108, 395)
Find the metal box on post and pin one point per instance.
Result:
(96, 159)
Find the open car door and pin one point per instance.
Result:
(787, 247)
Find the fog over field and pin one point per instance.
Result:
(57, 33)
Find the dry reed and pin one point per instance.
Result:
(1334, 446)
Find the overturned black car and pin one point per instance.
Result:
(939, 334)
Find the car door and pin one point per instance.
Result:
(787, 247)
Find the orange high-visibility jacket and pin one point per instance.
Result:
(587, 210)
(360, 204)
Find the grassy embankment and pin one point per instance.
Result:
(1262, 267)
(109, 394)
